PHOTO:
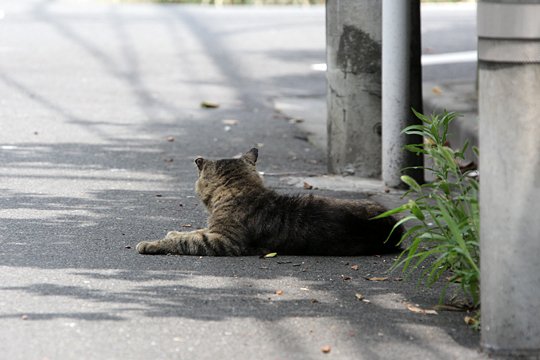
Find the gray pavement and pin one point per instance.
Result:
(100, 117)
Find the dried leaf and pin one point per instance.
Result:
(231, 122)
(279, 292)
(209, 105)
(418, 310)
(307, 186)
(469, 320)
(326, 349)
(295, 121)
(270, 255)
(436, 90)
(377, 278)
(354, 267)
(359, 296)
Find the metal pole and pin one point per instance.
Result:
(509, 110)
(401, 87)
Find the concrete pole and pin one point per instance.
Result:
(401, 88)
(353, 43)
(509, 110)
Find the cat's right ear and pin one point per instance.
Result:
(251, 156)
(199, 162)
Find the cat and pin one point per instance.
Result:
(246, 218)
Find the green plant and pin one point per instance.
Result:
(443, 214)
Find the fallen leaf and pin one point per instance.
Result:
(170, 138)
(436, 90)
(270, 255)
(230, 121)
(307, 186)
(359, 296)
(469, 320)
(279, 292)
(418, 310)
(209, 105)
(326, 349)
(296, 121)
(377, 278)
(354, 267)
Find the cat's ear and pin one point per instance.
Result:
(199, 162)
(251, 156)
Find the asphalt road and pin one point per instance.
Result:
(100, 120)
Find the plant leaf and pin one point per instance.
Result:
(411, 182)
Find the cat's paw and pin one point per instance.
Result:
(147, 248)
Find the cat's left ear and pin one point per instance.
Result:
(199, 162)
(251, 156)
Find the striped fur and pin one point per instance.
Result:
(246, 218)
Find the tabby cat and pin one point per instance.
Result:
(246, 218)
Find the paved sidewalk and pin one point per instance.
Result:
(101, 118)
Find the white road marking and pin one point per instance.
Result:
(431, 59)
(449, 58)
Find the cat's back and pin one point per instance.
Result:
(317, 225)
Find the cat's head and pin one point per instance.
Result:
(227, 176)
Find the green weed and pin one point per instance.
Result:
(443, 213)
